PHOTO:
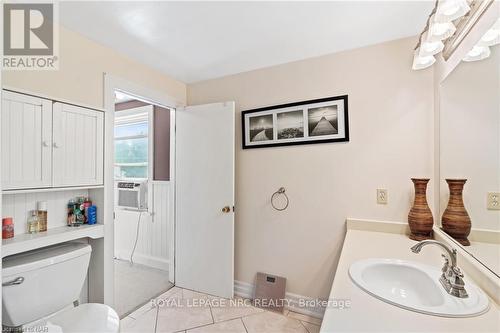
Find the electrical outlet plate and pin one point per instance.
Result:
(493, 202)
(382, 196)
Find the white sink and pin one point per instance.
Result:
(416, 287)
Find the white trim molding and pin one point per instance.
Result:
(293, 301)
(114, 83)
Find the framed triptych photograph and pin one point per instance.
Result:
(307, 122)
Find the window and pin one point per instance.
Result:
(131, 144)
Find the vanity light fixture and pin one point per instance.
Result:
(439, 27)
(450, 10)
(477, 53)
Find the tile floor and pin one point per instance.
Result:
(186, 311)
(137, 284)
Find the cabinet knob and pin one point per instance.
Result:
(226, 209)
(55, 145)
(45, 143)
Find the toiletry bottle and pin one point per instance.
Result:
(80, 211)
(7, 228)
(86, 204)
(71, 213)
(92, 215)
(33, 225)
(41, 210)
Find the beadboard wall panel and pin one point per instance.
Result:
(19, 205)
(153, 240)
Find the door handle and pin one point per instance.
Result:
(14, 282)
(226, 209)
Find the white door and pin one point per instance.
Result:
(26, 141)
(205, 198)
(77, 145)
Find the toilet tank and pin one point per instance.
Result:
(48, 280)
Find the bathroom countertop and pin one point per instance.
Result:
(369, 314)
(487, 253)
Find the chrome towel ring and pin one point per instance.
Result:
(280, 191)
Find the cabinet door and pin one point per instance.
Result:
(26, 141)
(78, 145)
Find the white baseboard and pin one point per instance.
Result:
(150, 261)
(243, 289)
(246, 290)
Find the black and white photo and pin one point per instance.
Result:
(290, 125)
(261, 128)
(321, 120)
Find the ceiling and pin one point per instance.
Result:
(195, 41)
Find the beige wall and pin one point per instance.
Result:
(391, 118)
(80, 75)
(391, 141)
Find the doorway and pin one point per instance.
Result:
(142, 205)
(204, 134)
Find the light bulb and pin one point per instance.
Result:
(492, 36)
(449, 10)
(439, 31)
(421, 62)
(429, 48)
(477, 53)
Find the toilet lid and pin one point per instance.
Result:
(90, 317)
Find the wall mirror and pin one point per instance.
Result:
(469, 128)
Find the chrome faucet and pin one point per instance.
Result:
(451, 277)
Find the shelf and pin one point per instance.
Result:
(27, 242)
(51, 189)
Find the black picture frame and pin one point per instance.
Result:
(302, 134)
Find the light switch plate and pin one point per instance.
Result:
(382, 198)
(493, 202)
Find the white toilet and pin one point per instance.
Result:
(40, 287)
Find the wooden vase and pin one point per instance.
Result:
(420, 217)
(456, 221)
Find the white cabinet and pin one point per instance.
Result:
(78, 141)
(49, 144)
(26, 141)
